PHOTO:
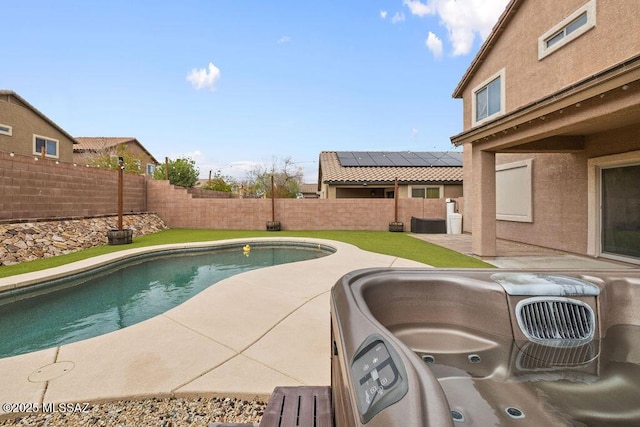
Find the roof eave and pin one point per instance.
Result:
(402, 182)
(504, 19)
(42, 116)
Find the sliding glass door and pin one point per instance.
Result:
(620, 223)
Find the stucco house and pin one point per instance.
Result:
(552, 129)
(372, 174)
(25, 130)
(309, 191)
(89, 147)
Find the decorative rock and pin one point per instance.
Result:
(22, 242)
(174, 412)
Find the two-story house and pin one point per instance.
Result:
(25, 130)
(552, 129)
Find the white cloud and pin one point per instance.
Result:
(414, 132)
(463, 19)
(204, 78)
(284, 39)
(417, 8)
(383, 14)
(434, 44)
(398, 17)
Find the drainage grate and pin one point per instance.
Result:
(554, 321)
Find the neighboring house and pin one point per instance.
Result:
(372, 174)
(552, 129)
(89, 147)
(309, 191)
(25, 130)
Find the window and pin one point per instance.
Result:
(488, 98)
(427, 192)
(572, 27)
(151, 168)
(514, 191)
(50, 146)
(6, 130)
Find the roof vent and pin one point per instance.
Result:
(556, 321)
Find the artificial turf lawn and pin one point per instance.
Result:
(396, 244)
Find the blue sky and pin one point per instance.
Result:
(232, 84)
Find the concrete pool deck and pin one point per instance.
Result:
(240, 338)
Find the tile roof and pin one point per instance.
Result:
(309, 188)
(97, 143)
(332, 172)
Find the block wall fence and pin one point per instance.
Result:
(179, 210)
(44, 188)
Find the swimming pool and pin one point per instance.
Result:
(127, 292)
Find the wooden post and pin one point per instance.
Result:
(273, 200)
(395, 197)
(120, 191)
(166, 168)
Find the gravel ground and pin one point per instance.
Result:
(170, 412)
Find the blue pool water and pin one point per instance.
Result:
(125, 293)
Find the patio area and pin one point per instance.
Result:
(519, 255)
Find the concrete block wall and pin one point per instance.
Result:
(45, 188)
(179, 209)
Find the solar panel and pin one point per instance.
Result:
(399, 158)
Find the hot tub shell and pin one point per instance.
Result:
(459, 357)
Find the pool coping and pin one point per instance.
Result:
(240, 338)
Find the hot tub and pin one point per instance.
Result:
(435, 347)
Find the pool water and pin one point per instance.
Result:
(125, 293)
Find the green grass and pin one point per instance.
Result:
(396, 244)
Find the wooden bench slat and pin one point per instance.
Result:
(299, 407)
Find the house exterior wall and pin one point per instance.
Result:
(25, 124)
(378, 191)
(528, 79)
(453, 191)
(31, 189)
(598, 110)
(560, 191)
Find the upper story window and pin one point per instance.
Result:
(6, 130)
(50, 146)
(151, 168)
(572, 27)
(488, 98)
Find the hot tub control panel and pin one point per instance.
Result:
(379, 376)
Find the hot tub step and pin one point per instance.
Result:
(299, 406)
